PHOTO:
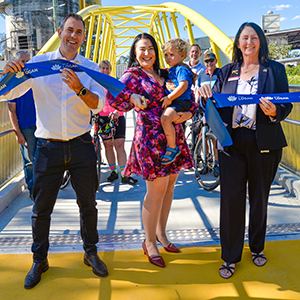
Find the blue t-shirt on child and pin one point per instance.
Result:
(178, 74)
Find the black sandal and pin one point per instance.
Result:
(227, 267)
(129, 180)
(259, 255)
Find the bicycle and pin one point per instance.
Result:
(66, 179)
(97, 144)
(106, 130)
(203, 148)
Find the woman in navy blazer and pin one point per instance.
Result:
(258, 140)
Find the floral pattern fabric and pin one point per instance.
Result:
(149, 142)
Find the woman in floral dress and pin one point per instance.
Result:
(144, 78)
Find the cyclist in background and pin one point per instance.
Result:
(209, 77)
(116, 142)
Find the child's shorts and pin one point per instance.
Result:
(181, 105)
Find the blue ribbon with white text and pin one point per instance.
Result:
(226, 100)
(50, 67)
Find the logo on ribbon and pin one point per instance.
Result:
(19, 74)
(231, 98)
(56, 67)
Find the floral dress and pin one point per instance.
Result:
(149, 142)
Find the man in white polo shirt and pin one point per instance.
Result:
(63, 108)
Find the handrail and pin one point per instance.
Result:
(3, 133)
(293, 87)
(289, 59)
(290, 121)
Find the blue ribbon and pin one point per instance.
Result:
(50, 67)
(225, 100)
(216, 124)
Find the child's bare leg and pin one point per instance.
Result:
(167, 119)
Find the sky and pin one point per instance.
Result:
(227, 15)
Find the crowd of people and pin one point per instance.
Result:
(163, 100)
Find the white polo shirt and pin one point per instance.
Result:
(60, 113)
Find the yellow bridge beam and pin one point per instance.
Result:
(110, 30)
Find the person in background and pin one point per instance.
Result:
(194, 63)
(196, 67)
(23, 119)
(63, 109)
(209, 77)
(249, 165)
(117, 142)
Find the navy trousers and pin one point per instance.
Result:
(27, 152)
(52, 158)
(244, 164)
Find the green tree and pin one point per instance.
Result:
(123, 60)
(279, 52)
(293, 74)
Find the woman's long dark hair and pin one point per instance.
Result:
(132, 57)
(263, 54)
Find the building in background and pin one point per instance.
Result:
(270, 22)
(31, 23)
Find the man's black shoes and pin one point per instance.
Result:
(99, 267)
(34, 275)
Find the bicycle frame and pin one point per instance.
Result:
(204, 130)
(97, 145)
(204, 155)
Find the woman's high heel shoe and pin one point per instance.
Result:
(156, 259)
(170, 248)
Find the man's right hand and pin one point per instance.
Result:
(205, 91)
(13, 65)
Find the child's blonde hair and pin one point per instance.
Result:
(105, 62)
(180, 46)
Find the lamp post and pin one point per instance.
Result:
(55, 15)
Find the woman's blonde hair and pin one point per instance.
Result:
(105, 62)
(180, 46)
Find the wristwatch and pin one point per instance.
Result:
(82, 92)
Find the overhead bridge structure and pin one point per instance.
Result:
(110, 30)
(109, 34)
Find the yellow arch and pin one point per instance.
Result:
(110, 30)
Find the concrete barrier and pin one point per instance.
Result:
(11, 190)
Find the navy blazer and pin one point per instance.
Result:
(272, 79)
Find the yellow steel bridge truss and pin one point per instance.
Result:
(110, 30)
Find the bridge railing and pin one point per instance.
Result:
(291, 126)
(10, 156)
(11, 161)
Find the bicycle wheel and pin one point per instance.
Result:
(65, 180)
(206, 173)
(97, 146)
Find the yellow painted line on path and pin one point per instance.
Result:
(191, 274)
